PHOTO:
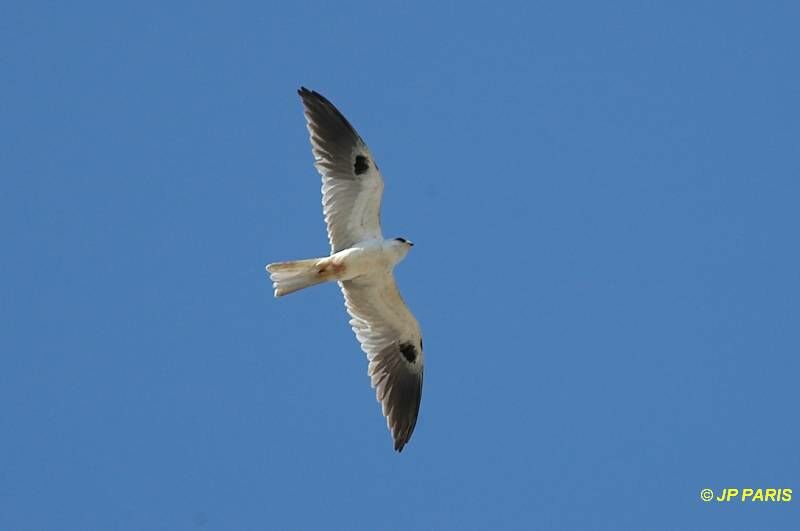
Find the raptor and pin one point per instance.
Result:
(362, 262)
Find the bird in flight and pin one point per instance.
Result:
(361, 261)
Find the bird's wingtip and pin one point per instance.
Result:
(399, 444)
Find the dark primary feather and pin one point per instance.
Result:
(398, 389)
(352, 186)
(331, 134)
(329, 116)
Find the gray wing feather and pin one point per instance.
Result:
(352, 186)
(390, 336)
(399, 390)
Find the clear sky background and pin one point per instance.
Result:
(604, 201)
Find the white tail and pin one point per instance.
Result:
(288, 277)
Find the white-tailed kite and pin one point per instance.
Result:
(361, 261)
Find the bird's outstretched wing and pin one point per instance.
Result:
(351, 183)
(390, 336)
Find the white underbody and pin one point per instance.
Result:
(369, 256)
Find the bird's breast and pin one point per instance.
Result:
(362, 259)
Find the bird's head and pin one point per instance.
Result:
(402, 246)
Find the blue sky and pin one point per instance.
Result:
(604, 201)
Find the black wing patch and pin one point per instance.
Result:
(362, 164)
(409, 352)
